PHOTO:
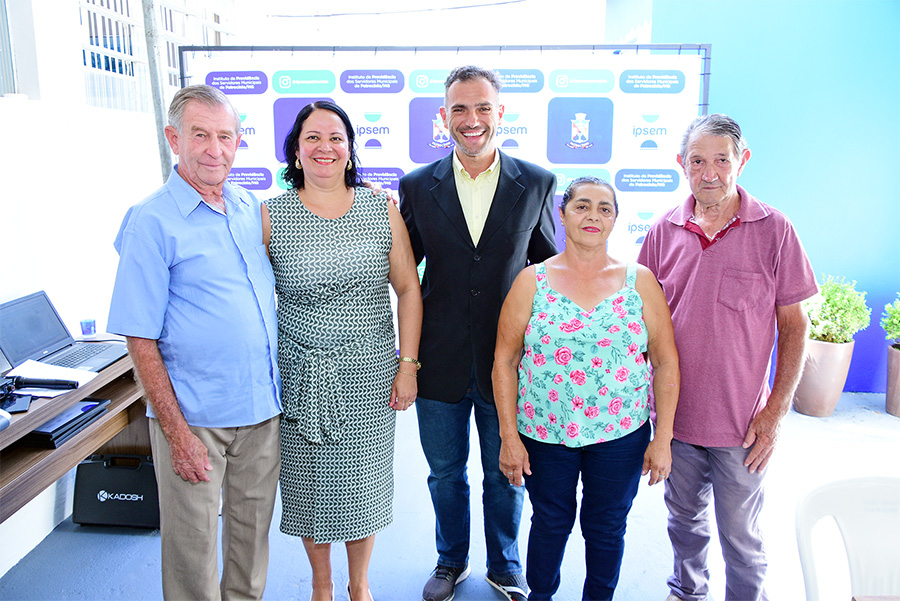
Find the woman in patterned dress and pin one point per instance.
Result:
(576, 403)
(335, 246)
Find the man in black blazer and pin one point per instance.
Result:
(479, 217)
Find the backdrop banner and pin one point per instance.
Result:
(615, 112)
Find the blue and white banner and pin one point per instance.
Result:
(618, 114)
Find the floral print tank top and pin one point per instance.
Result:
(583, 378)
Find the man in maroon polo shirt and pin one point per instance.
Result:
(734, 272)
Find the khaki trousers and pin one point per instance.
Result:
(246, 462)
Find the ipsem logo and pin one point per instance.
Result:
(104, 496)
(366, 130)
(246, 131)
(372, 130)
(649, 131)
(506, 130)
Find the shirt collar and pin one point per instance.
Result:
(458, 166)
(187, 198)
(750, 210)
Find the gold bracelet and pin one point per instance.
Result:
(407, 374)
(410, 360)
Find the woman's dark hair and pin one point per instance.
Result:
(294, 176)
(587, 180)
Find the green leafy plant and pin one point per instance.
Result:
(890, 321)
(837, 312)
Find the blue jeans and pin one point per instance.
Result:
(610, 473)
(444, 432)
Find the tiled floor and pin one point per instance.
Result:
(95, 563)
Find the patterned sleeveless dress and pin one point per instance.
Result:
(336, 353)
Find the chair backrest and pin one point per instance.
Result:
(867, 512)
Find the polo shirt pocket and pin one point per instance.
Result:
(741, 290)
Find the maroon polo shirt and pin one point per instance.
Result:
(723, 297)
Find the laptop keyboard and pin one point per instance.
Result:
(78, 356)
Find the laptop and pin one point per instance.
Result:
(30, 328)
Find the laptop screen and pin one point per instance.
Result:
(30, 328)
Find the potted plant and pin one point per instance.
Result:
(836, 314)
(890, 321)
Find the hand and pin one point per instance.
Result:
(377, 189)
(657, 461)
(514, 461)
(403, 391)
(190, 458)
(762, 436)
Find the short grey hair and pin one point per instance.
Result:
(716, 124)
(470, 72)
(208, 95)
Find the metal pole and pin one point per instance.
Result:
(156, 91)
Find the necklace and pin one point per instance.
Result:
(693, 220)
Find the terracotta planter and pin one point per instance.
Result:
(892, 396)
(827, 366)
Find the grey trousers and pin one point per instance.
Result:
(700, 474)
(246, 462)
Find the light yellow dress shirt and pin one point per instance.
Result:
(476, 195)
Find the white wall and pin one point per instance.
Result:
(434, 23)
(69, 173)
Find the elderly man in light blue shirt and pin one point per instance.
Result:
(194, 298)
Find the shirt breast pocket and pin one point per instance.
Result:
(742, 290)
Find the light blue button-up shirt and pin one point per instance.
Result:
(200, 283)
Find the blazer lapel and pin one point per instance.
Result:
(447, 199)
(508, 193)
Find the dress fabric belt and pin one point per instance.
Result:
(312, 395)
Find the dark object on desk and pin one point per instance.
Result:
(56, 431)
(9, 402)
(7, 386)
(23, 382)
(16, 403)
(116, 490)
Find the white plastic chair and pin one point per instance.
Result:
(867, 512)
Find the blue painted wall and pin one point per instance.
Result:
(815, 85)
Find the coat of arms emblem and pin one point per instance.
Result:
(440, 137)
(580, 132)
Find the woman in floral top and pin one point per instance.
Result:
(575, 404)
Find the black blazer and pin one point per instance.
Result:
(464, 285)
